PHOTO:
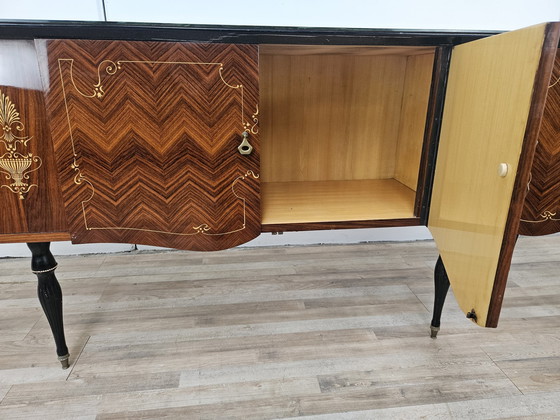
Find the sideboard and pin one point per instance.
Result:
(202, 137)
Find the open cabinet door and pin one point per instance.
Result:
(495, 98)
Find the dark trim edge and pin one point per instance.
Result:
(540, 89)
(134, 31)
(358, 224)
(431, 135)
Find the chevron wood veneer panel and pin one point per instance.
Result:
(146, 137)
(541, 212)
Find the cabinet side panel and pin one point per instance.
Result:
(436, 103)
(147, 136)
(487, 109)
(541, 212)
(30, 200)
(413, 118)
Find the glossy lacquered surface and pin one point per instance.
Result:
(234, 34)
(541, 212)
(117, 178)
(146, 138)
(335, 201)
(30, 200)
(493, 104)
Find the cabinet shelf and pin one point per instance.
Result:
(335, 201)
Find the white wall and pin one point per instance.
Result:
(427, 14)
(51, 9)
(410, 14)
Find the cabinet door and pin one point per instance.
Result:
(541, 212)
(146, 137)
(492, 114)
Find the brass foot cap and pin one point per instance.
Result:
(64, 361)
(433, 331)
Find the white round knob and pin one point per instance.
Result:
(503, 169)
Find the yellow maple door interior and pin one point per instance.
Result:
(494, 102)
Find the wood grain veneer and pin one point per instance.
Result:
(347, 224)
(488, 104)
(416, 95)
(327, 117)
(541, 212)
(146, 136)
(39, 208)
(34, 237)
(342, 50)
(331, 201)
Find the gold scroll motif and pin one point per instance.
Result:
(545, 216)
(253, 128)
(111, 68)
(15, 165)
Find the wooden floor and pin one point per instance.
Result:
(317, 332)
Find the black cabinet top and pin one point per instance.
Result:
(233, 34)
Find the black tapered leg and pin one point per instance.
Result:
(441, 282)
(43, 265)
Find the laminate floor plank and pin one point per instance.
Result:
(79, 408)
(76, 386)
(534, 375)
(208, 395)
(3, 391)
(542, 406)
(331, 332)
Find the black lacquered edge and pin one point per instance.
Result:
(432, 134)
(22, 29)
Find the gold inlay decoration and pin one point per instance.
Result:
(16, 165)
(111, 68)
(10, 123)
(530, 179)
(253, 128)
(555, 83)
(545, 216)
